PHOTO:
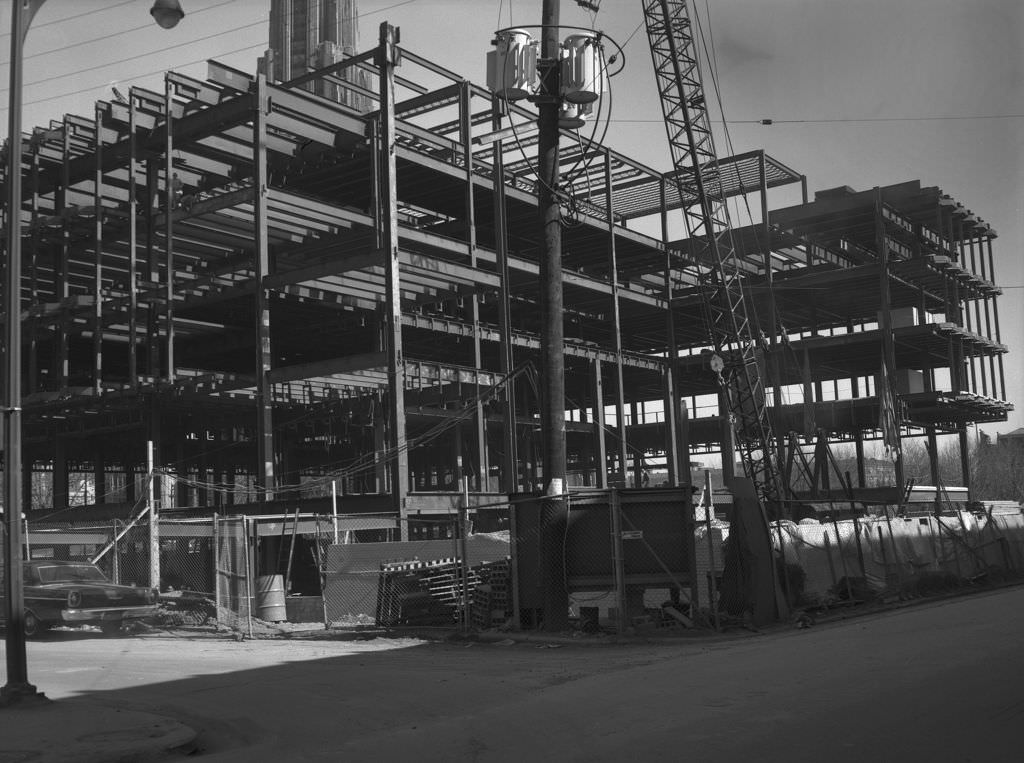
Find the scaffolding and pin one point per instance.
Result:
(282, 291)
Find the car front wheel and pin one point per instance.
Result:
(32, 625)
(110, 627)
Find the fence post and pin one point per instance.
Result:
(895, 551)
(216, 565)
(618, 564)
(881, 548)
(248, 574)
(842, 559)
(154, 523)
(322, 550)
(115, 567)
(956, 552)
(860, 548)
(463, 559)
(334, 509)
(514, 564)
(1004, 546)
(828, 555)
(709, 510)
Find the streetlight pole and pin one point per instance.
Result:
(17, 687)
(167, 13)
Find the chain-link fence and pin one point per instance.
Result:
(627, 560)
(874, 557)
(233, 590)
(446, 581)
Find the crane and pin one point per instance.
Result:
(697, 175)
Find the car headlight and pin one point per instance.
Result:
(74, 599)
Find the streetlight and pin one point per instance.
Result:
(167, 13)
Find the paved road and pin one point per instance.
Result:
(938, 682)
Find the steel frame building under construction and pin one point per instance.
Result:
(280, 292)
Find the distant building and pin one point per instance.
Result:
(312, 34)
(1014, 439)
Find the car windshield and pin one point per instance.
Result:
(69, 573)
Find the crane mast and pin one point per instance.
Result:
(698, 179)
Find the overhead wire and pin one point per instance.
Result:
(111, 35)
(150, 53)
(78, 16)
(145, 55)
(105, 85)
(842, 120)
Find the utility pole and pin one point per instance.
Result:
(554, 512)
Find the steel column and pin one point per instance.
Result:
(613, 276)
(388, 227)
(995, 317)
(97, 242)
(673, 457)
(133, 231)
(169, 203)
(600, 449)
(265, 481)
(510, 462)
(466, 138)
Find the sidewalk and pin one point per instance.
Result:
(80, 731)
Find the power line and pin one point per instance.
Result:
(147, 54)
(770, 122)
(632, 34)
(79, 91)
(77, 16)
(115, 34)
(159, 50)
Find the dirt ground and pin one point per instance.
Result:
(938, 681)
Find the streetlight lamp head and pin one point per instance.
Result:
(167, 13)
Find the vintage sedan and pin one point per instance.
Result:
(78, 593)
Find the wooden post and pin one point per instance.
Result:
(618, 563)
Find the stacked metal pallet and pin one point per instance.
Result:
(404, 595)
(492, 601)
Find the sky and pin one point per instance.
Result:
(861, 93)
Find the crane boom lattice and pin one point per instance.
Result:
(697, 175)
